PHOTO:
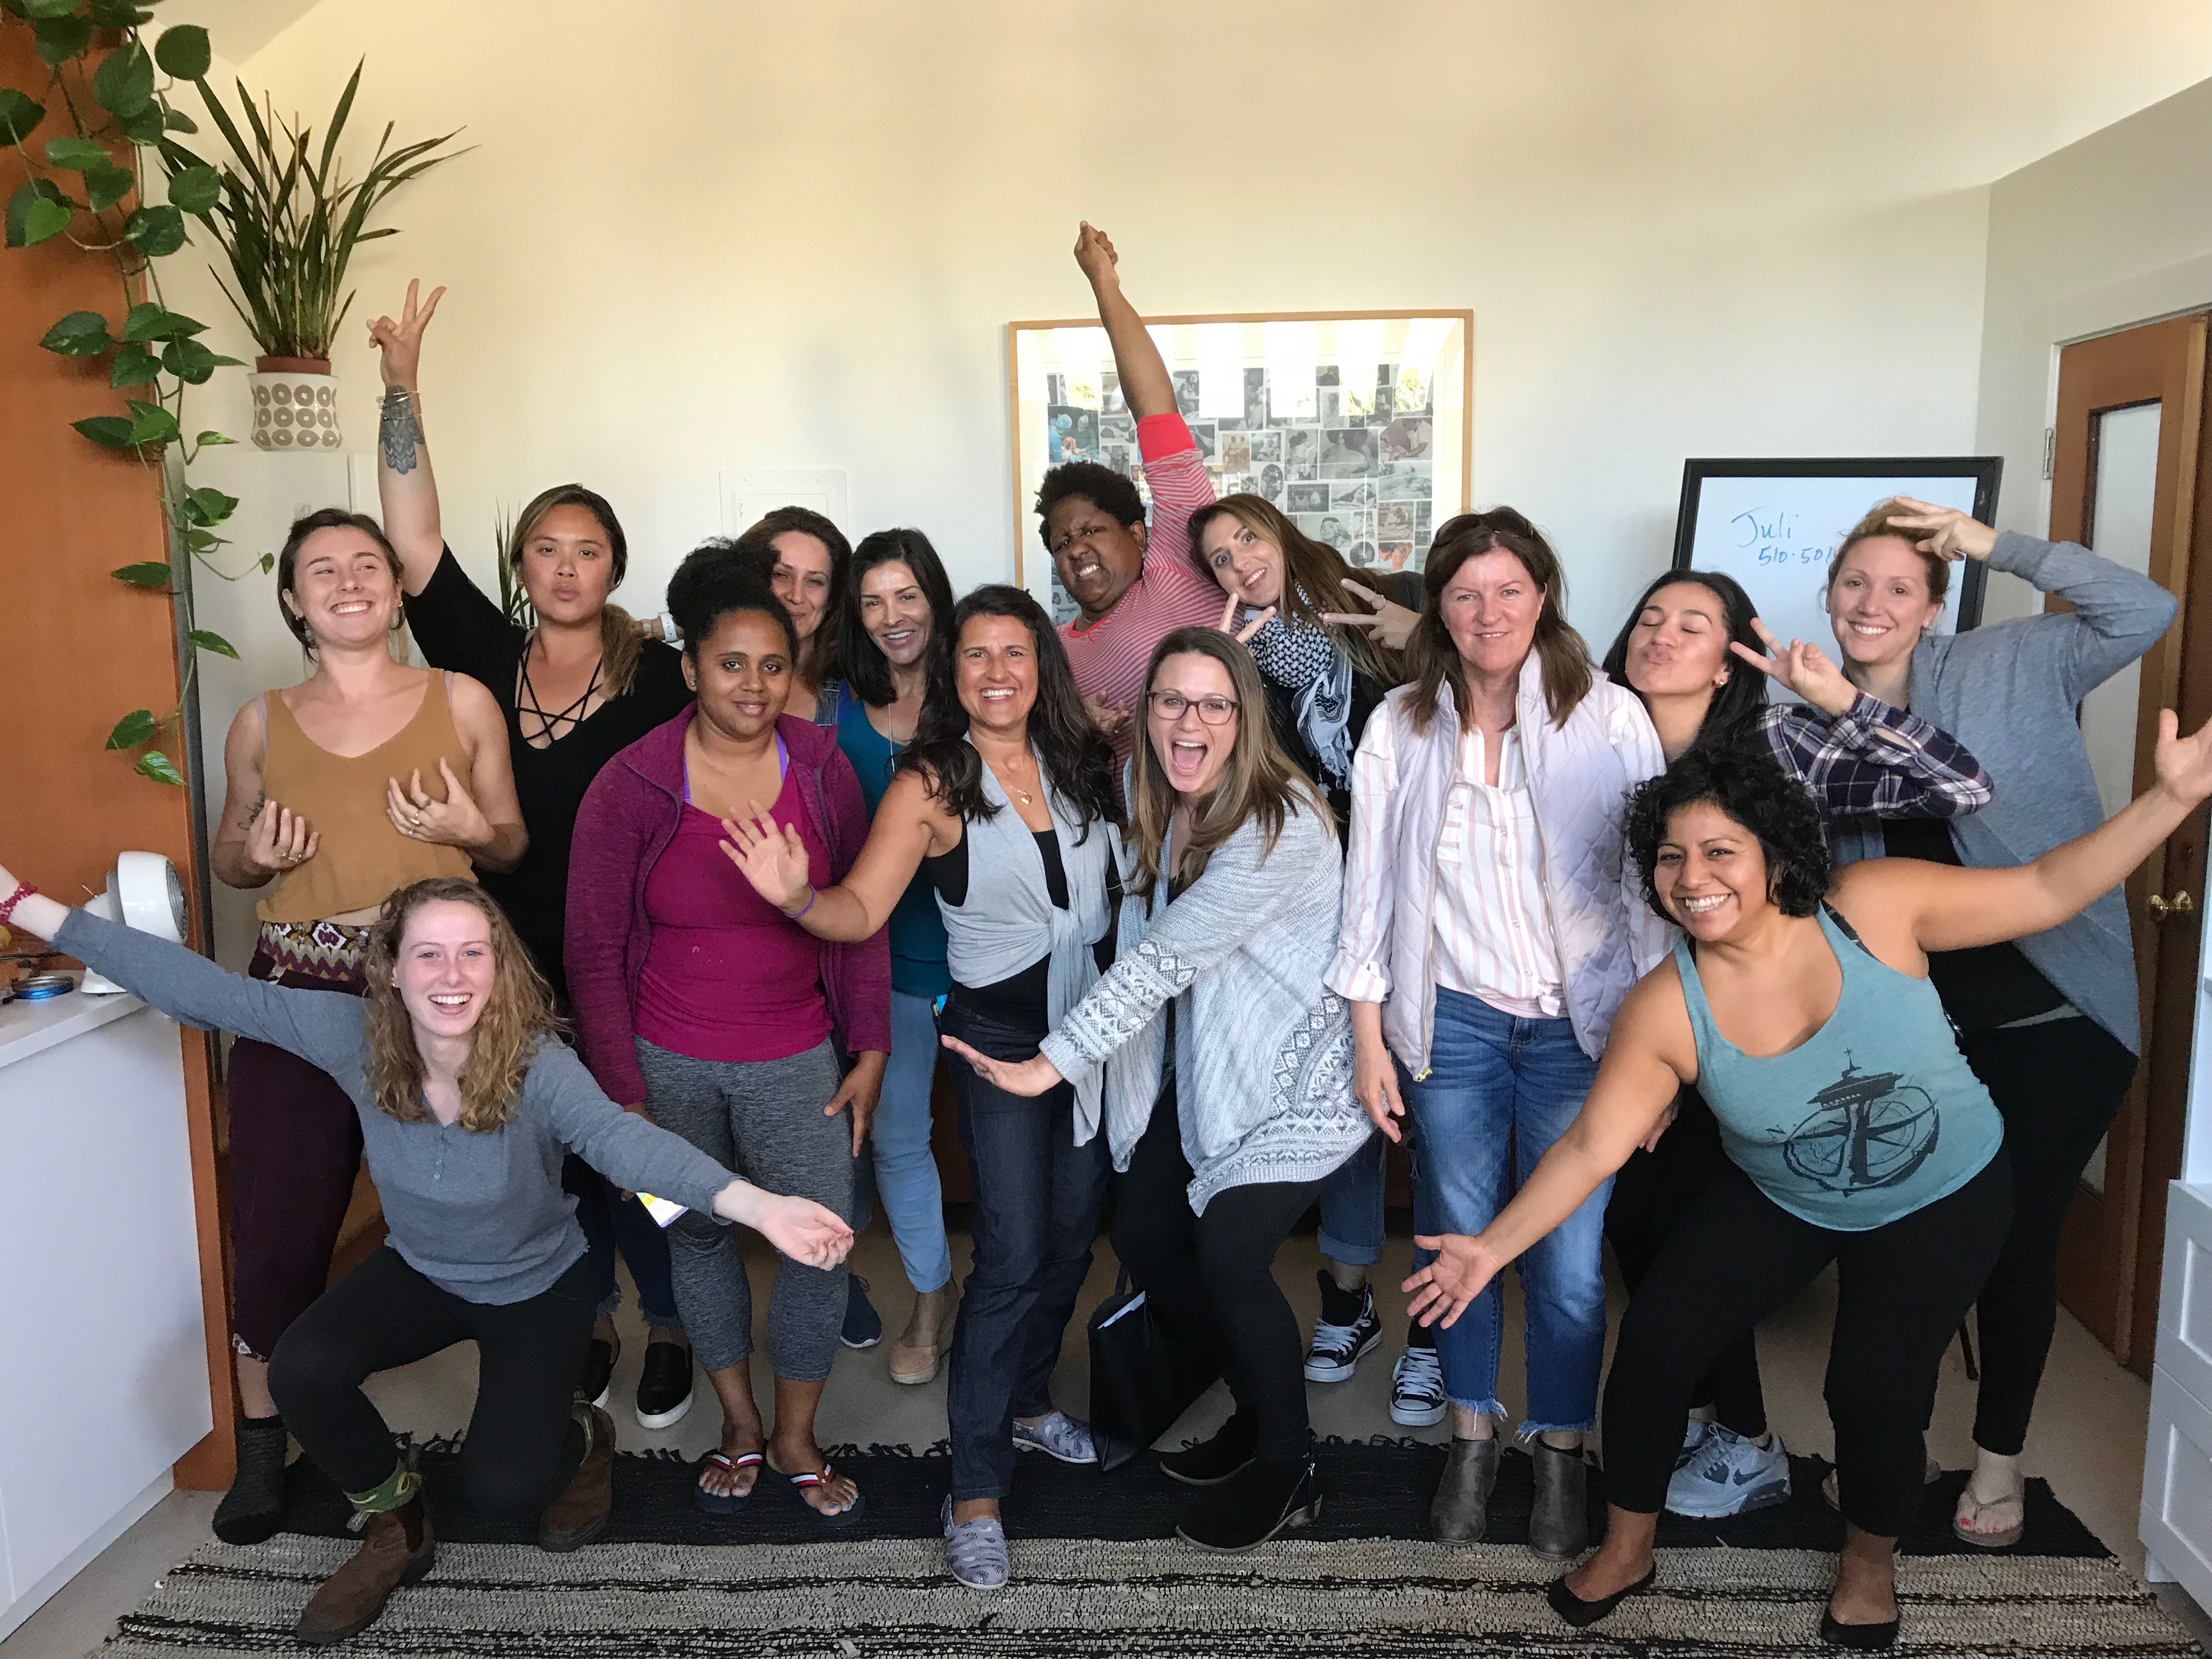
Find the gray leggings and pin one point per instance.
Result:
(762, 1119)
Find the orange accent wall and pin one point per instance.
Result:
(79, 649)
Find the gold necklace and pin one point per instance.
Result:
(1022, 795)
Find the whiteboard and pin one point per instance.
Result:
(1774, 524)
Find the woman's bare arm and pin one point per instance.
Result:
(1146, 386)
(909, 825)
(405, 488)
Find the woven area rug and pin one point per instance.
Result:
(1362, 1585)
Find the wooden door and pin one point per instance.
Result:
(2131, 478)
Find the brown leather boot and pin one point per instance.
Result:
(580, 1514)
(397, 1550)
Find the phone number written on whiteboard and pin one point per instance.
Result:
(1775, 539)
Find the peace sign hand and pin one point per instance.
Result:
(1242, 635)
(401, 343)
(1943, 530)
(1804, 668)
(771, 855)
(2183, 765)
(1391, 625)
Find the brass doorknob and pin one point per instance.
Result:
(2179, 905)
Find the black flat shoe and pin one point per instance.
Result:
(1216, 1462)
(1860, 1639)
(1248, 1511)
(599, 1371)
(1580, 1614)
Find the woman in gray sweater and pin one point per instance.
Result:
(1228, 1096)
(2048, 1023)
(468, 1104)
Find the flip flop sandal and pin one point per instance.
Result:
(720, 1502)
(1969, 1509)
(843, 1517)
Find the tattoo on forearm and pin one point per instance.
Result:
(245, 819)
(400, 432)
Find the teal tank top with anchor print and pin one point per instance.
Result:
(1874, 1116)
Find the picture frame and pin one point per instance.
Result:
(1327, 414)
(1774, 524)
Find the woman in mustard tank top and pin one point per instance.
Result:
(1800, 1006)
(365, 777)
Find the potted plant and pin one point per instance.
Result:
(288, 219)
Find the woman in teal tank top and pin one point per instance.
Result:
(1800, 1006)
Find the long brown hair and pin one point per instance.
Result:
(621, 643)
(1313, 575)
(1259, 780)
(517, 1020)
(1876, 524)
(1432, 660)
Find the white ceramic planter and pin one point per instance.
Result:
(295, 404)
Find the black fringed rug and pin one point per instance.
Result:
(1098, 1571)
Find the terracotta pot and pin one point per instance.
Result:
(295, 404)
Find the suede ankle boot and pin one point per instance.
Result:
(253, 1509)
(396, 1549)
(1266, 1495)
(1460, 1513)
(580, 1514)
(1559, 1524)
(1211, 1463)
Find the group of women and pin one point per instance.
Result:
(1245, 872)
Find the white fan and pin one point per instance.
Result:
(142, 892)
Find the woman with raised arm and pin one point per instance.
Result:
(895, 638)
(1491, 926)
(466, 1102)
(699, 1006)
(1134, 586)
(1802, 1008)
(1686, 650)
(366, 777)
(1227, 1062)
(575, 687)
(2050, 1023)
(1006, 799)
(1327, 648)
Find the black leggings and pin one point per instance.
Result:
(1651, 1194)
(523, 1444)
(1211, 1279)
(1902, 1289)
(2058, 1087)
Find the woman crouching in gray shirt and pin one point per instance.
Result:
(468, 1103)
(1228, 1064)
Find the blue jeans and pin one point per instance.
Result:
(1037, 1196)
(611, 1223)
(902, 1167)
(1498, 1082)
(1352, 1207)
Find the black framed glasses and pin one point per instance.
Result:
(1169, 705)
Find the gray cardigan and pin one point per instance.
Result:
(1263, 1048)
(479, 1213)
(2009, 693)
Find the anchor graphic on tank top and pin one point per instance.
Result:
(1867, 1130)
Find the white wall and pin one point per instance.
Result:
(2107, 233)
(704, 235)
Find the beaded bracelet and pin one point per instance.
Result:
(24, 889)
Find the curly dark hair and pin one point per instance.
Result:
(1102, 486)
(1074, 757)
(1746, 784)
(710, 585)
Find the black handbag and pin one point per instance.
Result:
(1142, 1378)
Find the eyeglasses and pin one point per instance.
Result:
(1169, 705)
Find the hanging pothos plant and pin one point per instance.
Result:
(112, 94)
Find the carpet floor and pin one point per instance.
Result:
(1098, 1572)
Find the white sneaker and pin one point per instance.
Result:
(1417, 1388)
(1730, 1475)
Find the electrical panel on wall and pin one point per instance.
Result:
(750, 492)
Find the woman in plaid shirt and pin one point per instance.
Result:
(1688, 650)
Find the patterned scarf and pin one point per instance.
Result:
(1300, 657)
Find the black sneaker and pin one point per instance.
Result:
(664, 1387)
(864, 1326)
(599, 1371)
(1211, 1463)
(1347, 1332)
(1246, 1512)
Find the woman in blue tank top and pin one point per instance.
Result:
(1800, 1006)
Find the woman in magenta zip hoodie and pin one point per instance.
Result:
(700, 1005)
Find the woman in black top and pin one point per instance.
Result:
(576, 689)
(1327, 650)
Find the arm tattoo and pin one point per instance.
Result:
(399, 430)
(245, 821)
